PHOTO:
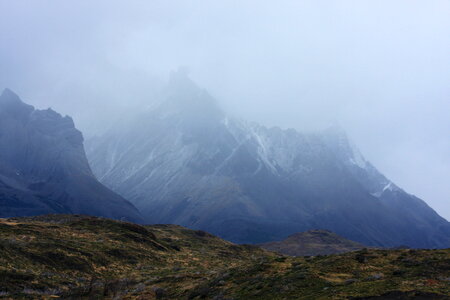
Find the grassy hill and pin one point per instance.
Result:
(85, 257)
(313, 242)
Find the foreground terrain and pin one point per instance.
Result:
(85, 257)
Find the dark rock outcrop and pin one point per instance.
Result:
(43, 167)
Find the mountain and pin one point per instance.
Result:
(44, 169)
(313, 242)
(184, 161)
(79, 257)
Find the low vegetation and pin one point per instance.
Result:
(65, 256)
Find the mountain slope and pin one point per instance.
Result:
(184, 161)
(313, 242)
(79, 257)
(43, 167)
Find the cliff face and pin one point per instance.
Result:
(43, 166)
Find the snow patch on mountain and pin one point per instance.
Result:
(356, 158)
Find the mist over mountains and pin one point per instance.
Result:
(380, 68)
(225, 150)
(185, 161)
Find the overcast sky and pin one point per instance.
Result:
(379, 68)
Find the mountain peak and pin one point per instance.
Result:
(184, 99)
(179, 81)
(9, 96)
(7, 93)
(10, 103)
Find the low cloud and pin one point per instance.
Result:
(380, 68)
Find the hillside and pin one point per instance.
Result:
(85, 257)
(313, 242)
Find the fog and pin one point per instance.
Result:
(379, 68)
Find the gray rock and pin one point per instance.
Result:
(159, 292)
(375, 277)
